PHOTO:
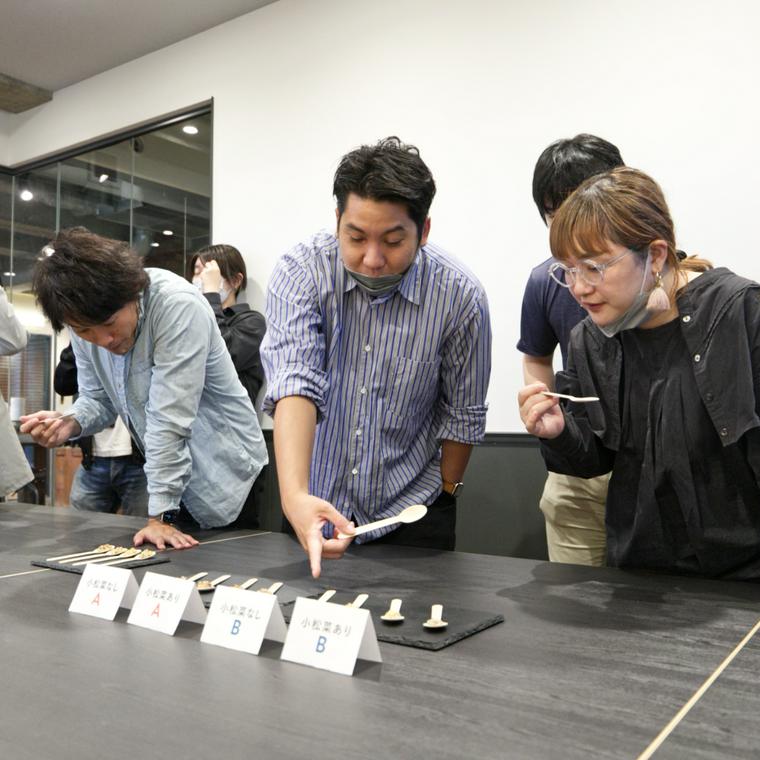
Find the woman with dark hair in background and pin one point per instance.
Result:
(219, 272)
(671, 350)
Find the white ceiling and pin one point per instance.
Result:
(55, 43)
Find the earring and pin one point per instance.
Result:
(658, 299)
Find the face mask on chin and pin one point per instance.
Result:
(376, 286)
(635, 314)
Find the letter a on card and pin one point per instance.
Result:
(163, 601)
(102, 590)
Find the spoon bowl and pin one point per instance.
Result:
(408, 515)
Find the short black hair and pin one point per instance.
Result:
(388, 171)
(84, 278)
(567, 163)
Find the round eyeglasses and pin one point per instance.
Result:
(589, 271)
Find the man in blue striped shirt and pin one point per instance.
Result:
(377, 356)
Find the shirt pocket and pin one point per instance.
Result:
(413, 386)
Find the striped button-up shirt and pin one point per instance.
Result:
(390, 376)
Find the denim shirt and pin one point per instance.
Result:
(178, 393)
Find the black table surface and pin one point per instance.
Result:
(590, 662)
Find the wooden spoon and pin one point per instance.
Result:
(409, 515)
(577, 399)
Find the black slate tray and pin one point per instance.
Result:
(68, 568)
(410, 632)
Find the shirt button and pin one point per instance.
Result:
(687, 318)
(697, 357)
(354, 471)
(358, 432)
(723, 432)
(368, 348)
(709, 396)
(363, 391)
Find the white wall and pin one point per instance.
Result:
(482, 87)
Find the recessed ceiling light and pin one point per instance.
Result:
(154, 245)
(168, 233)
(189, 129)
(102, 178)
(26, 195)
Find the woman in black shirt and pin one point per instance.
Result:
(219, 272)
(671, 348)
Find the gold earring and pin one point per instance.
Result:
(658, 300)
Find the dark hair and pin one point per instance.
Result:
(228, 258)
(84, 278)
(387, 171)
(565, 164)
(622, 206)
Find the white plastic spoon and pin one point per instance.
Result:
(359, 601)
(196, 577)
(245, 584)
(100, 550)
(273, 589)
(48, 420)
(409, 515)
(393, 615)
(577, 399)
(144, 554)
(204, 586)
(436, 618)
(119, 551)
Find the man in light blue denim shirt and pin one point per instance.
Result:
(148, 349)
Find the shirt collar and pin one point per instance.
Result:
(409, 287)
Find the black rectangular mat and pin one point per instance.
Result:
(416, 610)
(79, 569)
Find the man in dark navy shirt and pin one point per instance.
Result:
(573, 507)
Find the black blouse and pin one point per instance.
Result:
(684, 496)
(678, 498)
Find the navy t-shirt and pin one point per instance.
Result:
(549, 314)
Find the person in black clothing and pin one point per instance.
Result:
(671, 350)
(219, 272)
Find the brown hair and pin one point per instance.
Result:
(622, 206)
(84, 278)
(228, 258)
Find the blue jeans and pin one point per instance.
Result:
(110, 483)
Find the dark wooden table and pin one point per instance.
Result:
(588, 663)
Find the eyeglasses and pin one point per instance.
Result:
(589, 271)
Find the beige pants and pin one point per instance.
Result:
(574, 512)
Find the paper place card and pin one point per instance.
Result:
(102, 590)
(330, 636)
(162, 601)
(240, 619)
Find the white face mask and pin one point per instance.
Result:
(224, 291)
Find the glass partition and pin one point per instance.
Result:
(152, 189)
